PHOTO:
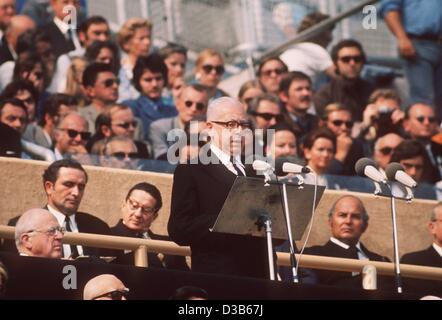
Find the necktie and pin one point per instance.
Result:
(74, 250)
(353, 252)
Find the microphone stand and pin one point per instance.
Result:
(264, 220)
(397, 269)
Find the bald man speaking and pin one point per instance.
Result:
(198, 194)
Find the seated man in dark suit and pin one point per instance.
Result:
(200, 190)
(64, 182)
(430, 257)
(348, 220)
(140, 209)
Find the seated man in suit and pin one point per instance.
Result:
(348, 220)
(38, 234)
(430, 257)
(200, 190)
(64, 183)
(139, 210)
(191, 103)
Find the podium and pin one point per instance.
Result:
(255, 209)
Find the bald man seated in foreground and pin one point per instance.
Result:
(105, 287)
(38, 234)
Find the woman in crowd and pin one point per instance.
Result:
(74, 78)
(175, 58)
(281, 141)
(249, 90)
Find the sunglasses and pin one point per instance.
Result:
(338, 123)
(115, 295)
(209, 68)
(127, 125)
(110, 82)
(123, 155)
(199, 105)
(269, 116)
(421, 119)
(347, 59)
(74, 133)
(268, 73)
(386, 150)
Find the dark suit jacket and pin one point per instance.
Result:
(86, 223)
(5, 53)
(10, 142)
(198, 194)
(343, 279)
(430, 258)
(60, 45)
(170, 262)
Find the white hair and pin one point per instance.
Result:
(218, 105)
(30, 220)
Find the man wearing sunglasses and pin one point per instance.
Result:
(384, 147)
(339, 120)
(296, 93)
(348, 87)
(191, 103)
(71, 135)
(105, 287)
(38, 234)
(198, 194)
(101, 86)
(120, 152)
(422, 124)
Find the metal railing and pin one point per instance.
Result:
(142, 246)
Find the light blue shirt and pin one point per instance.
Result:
(419, 17)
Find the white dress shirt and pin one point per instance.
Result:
(437, 248)
(361, 254)
(225, 160)
(61, 221)
(64, 28)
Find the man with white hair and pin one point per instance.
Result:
(198, 194)
(105, 287)
(38, 234)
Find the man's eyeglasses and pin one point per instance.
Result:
(268, 73)
(347, 59)
(421, 119)
(12, 118)
(338, 123)
(123, 155)
(386, 150)
(110, 82)
(199, 105)
(74, 133)
(207, 68)
(114, 295)
(233, 124)
(269, 116)
(133, 205)
(126, 125)
(51, 231)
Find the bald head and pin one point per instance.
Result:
(36, 234)
(101, 285)
(18, 25)
(219, 107)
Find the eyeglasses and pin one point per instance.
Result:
(110, 82)
(133, 205)
(421, 119)
(123, 155)
(338, 123)
(199, 105)
(386, 150)
(74, 133)
(347, 59)
(126, 125)
(269, 116)
(207, 68)
(51, 231)
(268, 73)
(115, 295)
(233, 124)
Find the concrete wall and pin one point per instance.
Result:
(21, 189)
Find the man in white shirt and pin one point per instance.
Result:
(38, 234)
(348, 220)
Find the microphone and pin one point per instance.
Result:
(285, 165)
(396, 172)
(260, 165)
(365, 167)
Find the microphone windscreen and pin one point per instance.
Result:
(391, 170)
(279, 162)
(361, 164)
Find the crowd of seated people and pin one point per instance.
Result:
(78, 95)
